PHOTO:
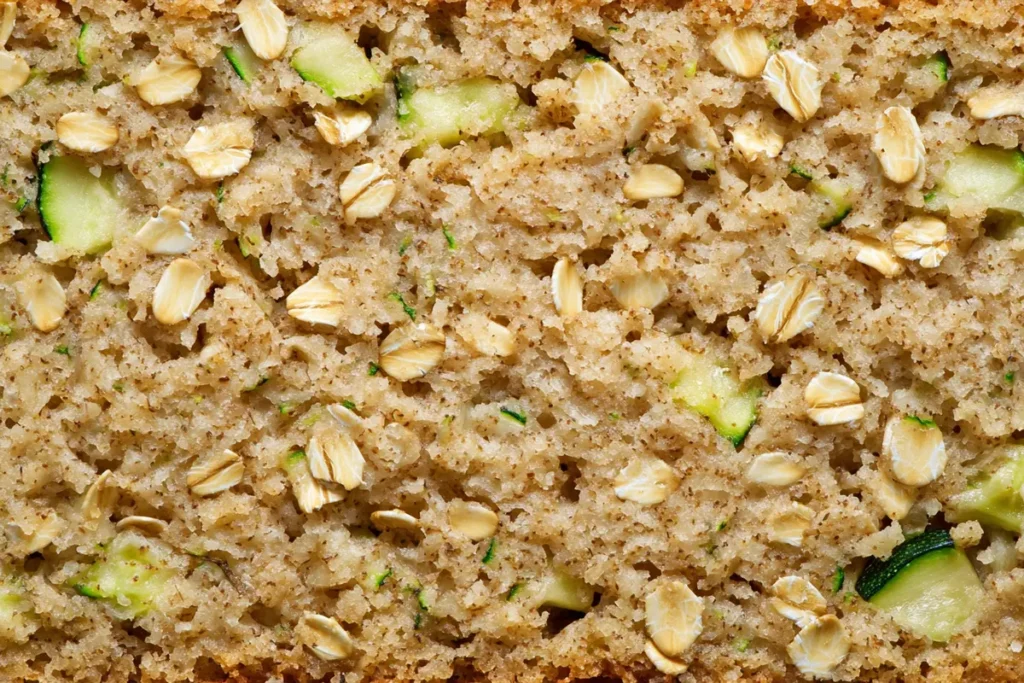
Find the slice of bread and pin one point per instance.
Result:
(525, 341)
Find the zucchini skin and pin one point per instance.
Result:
(80, 46)
(236, 66)
(40, 184)
(405, 86)
(940, 65)
(877, 573)
(836, 219)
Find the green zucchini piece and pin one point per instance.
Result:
(405, 86)
(939, 65)
(836, 196)
(375, 579)
(800, 172)
(448, 114)
(130, 576)
(78, 210)
(712, 390)
(492, 551)
(927, 586)
(985, 174)
(996, 500)
(566, 591)
(334, 61)
(243, 60)
(82, 45)
(878, 573)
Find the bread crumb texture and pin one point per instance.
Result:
(532, 341)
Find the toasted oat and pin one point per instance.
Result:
(820, 646)
(996, 101)
(775, 469)
(665, 665)
(875, 255)
(218, 473)
(168, 79)
(220, 150)
(335, 457)
(651, 181)
(644, 290)
(316, 301)
(790, 525)
(14, 72)
(8, 15)
(394, 519)
(798, 600)
(597, 86)
(921, 239)
(833, 399)
(898, 144)
(325, 637)
(487, 337)
(146, 525)
(264, 26)
(96, 497)
(794, 83)
(755, 143)
(344, 417)
(85, 131)
(474, 520)
(673, 617)
(701, 145)
(894, 499)
(342, 125)
(567, 288)
(310, 493)
(43, 298)
(916, 450)
(742, 51)
(411, 351)
(366, 192)
(789, 306)
(166, 233)
(647, 481)
(179, 292)
(646, 114)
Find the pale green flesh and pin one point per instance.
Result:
(836, 196)
(567, 592)
(130, 576)
(243, 61)
(933, 596)
(939, 65)
(78, 209)
(714, 392)
(990, 176)
(997, 500)
(478, 106)
(736, 416)
(339, 66)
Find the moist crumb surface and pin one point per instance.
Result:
(537, 341)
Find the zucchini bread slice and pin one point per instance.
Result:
(511, 341)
